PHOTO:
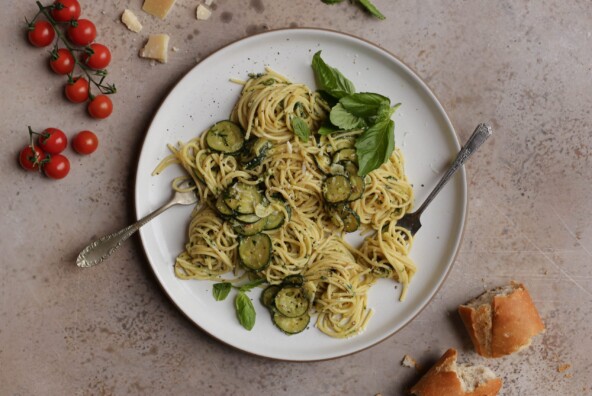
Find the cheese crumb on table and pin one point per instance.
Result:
(158, 8)
(156, 48)
(203, 13)
(130, 20)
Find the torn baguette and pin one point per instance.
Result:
(501, 321)
(448, 378)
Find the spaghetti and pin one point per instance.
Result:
(286, 178)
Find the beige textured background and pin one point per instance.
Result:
(523, 65)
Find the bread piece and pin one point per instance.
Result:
(501, 321)
(447, 378)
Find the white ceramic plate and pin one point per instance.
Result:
(422, 130)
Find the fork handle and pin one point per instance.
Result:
(100, 249)
(479, 136)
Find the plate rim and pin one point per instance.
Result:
(462, 172)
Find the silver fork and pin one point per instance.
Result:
(103, 247)
(411, 221)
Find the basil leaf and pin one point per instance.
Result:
(221, 290)
(327, 128)
(365, 104)
(343, 119)
(375, 146)
(245, 312)
(249, 286)
(371, 8)
(330, 79)
(328, 1)
(300, 128)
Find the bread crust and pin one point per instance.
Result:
(503, 326)
(442, 380)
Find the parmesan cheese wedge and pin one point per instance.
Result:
(158, 8)
(203, 13)
(130, 20)
(156, 48)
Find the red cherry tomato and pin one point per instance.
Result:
(63, 63)
(100, 107)
(100, 57)
(77, 91)
(85, 142)
(29, 159)
(83, 32)
(41, 34)
(53, 141)
(57, 167)
(65, 10)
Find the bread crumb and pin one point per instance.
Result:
(408, 361)
(563, 367)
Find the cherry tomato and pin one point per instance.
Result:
(53, 141)
(57, 167)
(100, 107)
(69, 9)
(83, 32)
(77, 91)
(29, 159)
(85, 142)
(41, 34)
(100, 57)
(63, 63)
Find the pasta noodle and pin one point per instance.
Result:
(309, 242)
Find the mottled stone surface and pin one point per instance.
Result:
(523, 65)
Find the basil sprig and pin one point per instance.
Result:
(369, 111)
(245, 311)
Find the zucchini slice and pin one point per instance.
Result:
(293, 280)
(225, 137)
(351, 220)
(357, 181)
(291, 325)
(291, 301)
(255, 251)
(222, 208)
(342, 142)
(249, 229)
(248, 218)
(268, 296)
(323, 161)
(346, 154)
(254, 152)
(336, 188)
(277, 218)
(242, 197)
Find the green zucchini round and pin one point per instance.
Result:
(291, 301)
(254, 252)
(291, 325)
(225, 137)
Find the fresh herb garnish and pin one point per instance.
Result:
(366, 4)
(221, 291)
(330, 79)
(300, 128)
(371, 8)
(245, 311)
(366, 110)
